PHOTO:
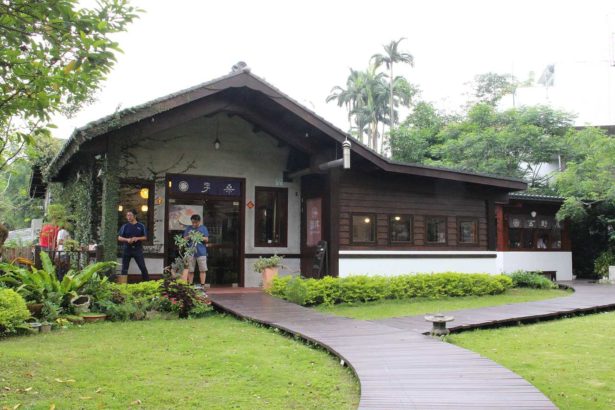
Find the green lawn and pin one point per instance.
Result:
(215, 363)
(572, 361)
(395, 308)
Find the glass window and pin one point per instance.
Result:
(468, 230)
(137, 196)
(543, 232)
(436, 229)
(514, 238)
(400, 229)
(271, 217)
(363, 228)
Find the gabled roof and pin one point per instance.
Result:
(245, 79)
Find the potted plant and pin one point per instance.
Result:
(268, 268)
(45, 327)
(186, 247)
(81, 303)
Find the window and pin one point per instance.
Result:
(271, 217)
(363, 228)
(400, 229)
(468, 231)
(436, 229)
(525, 232)
(138, 196)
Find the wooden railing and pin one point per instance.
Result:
(62, 260)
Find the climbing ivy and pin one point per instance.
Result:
(110, 200)
(76, 195)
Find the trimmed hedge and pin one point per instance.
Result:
(525, 279)
(13, 311)
(352, 289)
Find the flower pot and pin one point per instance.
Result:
(35, 309)
(93, 317)
(81, 303)
(121, 279)
(267, 276)
(35, 327)
(45, 327)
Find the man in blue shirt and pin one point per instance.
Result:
(200, 254)
(131, 235)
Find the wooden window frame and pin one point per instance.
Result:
(145, 183)
(463, 219)
(411, 239)
(445, 243)
(373, 220)
(284, 222)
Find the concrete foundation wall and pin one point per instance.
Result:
(560, 262)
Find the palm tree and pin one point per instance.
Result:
(391, 56)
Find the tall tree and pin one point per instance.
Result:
(391, 56)
(54, 54)
(491, 87)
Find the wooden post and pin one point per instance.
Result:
(37, 257)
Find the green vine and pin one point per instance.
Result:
(110, 200)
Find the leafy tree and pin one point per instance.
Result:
(16, 206)
(514, 143)
(590, 172)
(413, 140)
(491, 87)
(53, 56)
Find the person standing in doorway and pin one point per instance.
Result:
(132, 234)
(200, 253)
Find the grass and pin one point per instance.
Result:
(572, 361)
(215, 363)
(395, 308)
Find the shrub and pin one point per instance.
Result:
(602, 263)
(363, 288)
(525, 279)
(13, 311)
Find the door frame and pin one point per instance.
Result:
(203, 197)
(313, 187)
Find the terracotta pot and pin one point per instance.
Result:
(267, 276)
(121, 279)
(93, 317)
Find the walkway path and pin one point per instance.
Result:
(400, 368)
(587, 297)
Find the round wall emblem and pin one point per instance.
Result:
(183, 186)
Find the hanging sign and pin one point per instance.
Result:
(191, 184)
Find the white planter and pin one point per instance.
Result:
(612, 273)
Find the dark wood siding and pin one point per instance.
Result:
(386, 196)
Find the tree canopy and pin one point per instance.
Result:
(54, 54)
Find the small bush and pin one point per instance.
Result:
(13, 311)
(363, 288)
(602, 263)
(525, 279)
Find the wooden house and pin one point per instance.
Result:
(266, 174)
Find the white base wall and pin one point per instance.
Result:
(154, 265)
(253, 279)
(560, 262)
(393, 263)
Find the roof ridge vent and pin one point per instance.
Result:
(241, 66)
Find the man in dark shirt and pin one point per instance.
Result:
(132, 234)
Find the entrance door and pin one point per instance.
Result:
(223, 221)
(223, 251)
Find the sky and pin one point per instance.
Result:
(306, 48)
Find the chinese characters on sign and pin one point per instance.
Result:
(192, 184)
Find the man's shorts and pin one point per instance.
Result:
(201, 260)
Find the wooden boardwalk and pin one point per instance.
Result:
(400, 368)
(587, 297)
